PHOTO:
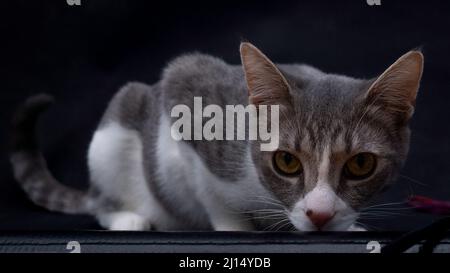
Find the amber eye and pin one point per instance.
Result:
(286, 163)
(360, 166)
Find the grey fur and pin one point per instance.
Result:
(323, 110)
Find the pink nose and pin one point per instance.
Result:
(319, 219)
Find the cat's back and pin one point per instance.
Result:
(205, 76)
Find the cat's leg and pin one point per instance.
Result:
(123, 220)
(116, 169)
(223, 218)
(356, 228)
(197, 194)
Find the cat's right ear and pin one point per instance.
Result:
(266, 84)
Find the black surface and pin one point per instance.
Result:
(194, 242)
(82, 55)
(209, 242)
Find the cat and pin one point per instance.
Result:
(341, 140)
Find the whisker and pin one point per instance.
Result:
(386, 210)
(271, 227)
(280, 216)
(380, 212)
(367, 226)
(284, 225)
(413, 180)
(386, 204)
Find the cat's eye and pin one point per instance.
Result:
(360, 166)
(286, 163)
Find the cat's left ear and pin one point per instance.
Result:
(266, 84)
(396, 89)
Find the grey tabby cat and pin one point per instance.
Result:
(341, 140)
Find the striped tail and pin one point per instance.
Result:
(30, 168)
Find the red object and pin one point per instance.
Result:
(429, 205)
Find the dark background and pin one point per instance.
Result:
(82, 55)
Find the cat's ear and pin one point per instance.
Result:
(397, 87)
(266, 84)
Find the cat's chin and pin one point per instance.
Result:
(343, 226)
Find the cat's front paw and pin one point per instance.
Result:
(356, 228)
(121, 221)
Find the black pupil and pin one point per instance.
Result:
(288, 159)
(360, 160)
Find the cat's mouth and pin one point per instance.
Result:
(339, 221)
(339, 226)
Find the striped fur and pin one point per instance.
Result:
(30, 168)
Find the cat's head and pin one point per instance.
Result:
(341, 139)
